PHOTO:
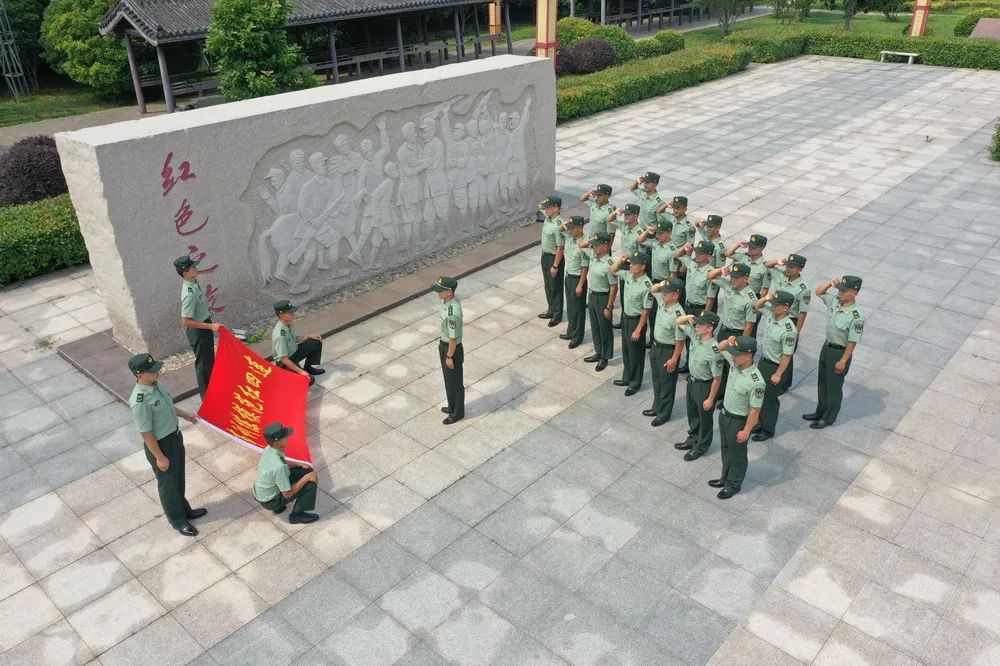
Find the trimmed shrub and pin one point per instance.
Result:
(38, 238)
(570, 30)
(928, 31)
(31, 171)
(967, 23)
(648, 48)
(995, 148)
(579, 96)
(590, 55)
(770, 45)
(622, 42)
(949, 6)
(670, 40)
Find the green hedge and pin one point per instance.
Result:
(580, 96)
(947, 6)
(995, 148)
(623, 44)
(662, 43)
(771, 44)
(967, 23)
(38, 238)
(570, 30)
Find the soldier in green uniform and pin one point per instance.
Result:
(279, 480)
(780, 338)
(683, 228)
(553, 246)
(704, 378)
(638, 300)
(450, 349)
(663, 264)
(197, 321)
(155, 418)
(668, 345)
(598, 201)
(696, 281)
(710, 229)
(751, 253)
(738, 312)
(288, 349)
(577, 262)
(740, 410)
(644, 188)
(629, 230)
(790, 280)
(603, 290)
(844, 327)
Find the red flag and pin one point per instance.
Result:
(246, 393)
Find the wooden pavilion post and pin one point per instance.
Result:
(168, 92)
(133, 68)
(506, 18)
(458, 37)
(333, 54)
(545, 29)
(399, 44)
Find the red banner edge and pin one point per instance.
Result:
(247, 444)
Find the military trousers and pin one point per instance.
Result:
(769, 410)
(454, 383)
(633, 353)
(305, 499)
(600, 327)
(734, 454)
(786, 379)
(664, 381)
(723, 334)
(553, 285)
(700, 426)
(309, 350)
(830, 384)
(203, 345)
(576, 309)
(170, 484)
(651, 321)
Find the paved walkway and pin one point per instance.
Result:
(553, 524)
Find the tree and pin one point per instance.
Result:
(249, 44)
(26, 21)
(725, 11)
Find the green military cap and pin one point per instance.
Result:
(639, 257)
(184, 263)
(600, 238)
(704, 247)
(739, 270)
(795, 260)
(849, 282)
(673, 284)
(664, 225)
(603, 189)
(143, 363)
(756, 240)
(680, 201)
(575, 221)
(551, 200)
(281, 307)
(745, 345)
(782, 298)
(713, 221)
(274, 432)
(631, 209)
(707, 317)
(651, 177)
(444, 284)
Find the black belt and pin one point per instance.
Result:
(830, 344)
(700, 381)
(628, 316)
(572, 275)
(442, 342)
(770, 361)
(599, 293)
(551, 254)
(660, 344)
(733, 416)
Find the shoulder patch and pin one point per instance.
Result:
(788, 325)
(759, 392)
(451, 310)
(855, 314)
(802, 286)
(659, 199)
(715, 348)
(678, 312)
(190, 290)
(789, 339)
(282, 331)
(753, 376)
(139, 397)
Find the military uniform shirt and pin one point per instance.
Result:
(696, 283)
(194, 305)
(272, 475)
(576, 258)
(744, 388)
(719, 256)
(552, 237)
(779, 336)
(451, 320)
(683, 231)
(599, 277)
(284, 342)
(843, 325)
(629, 237)
(648, 203)
(664, 261)
(738, 306)
(799, 289)
(599, 217)
(637, 296)
(153, 410)
(757, 270)
(666, 331)
(704, 358)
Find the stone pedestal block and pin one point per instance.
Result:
(298, 195)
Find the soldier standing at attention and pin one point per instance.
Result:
(710, 229)
(577, 263)
(663, 264)
(155, 417)
(197, 321)
(738, 312)
(704, 378)
(790, 280)
(668, 345)
(450, 349)
(649, 199)
(844, 327)
(683, 228)
(281, 481)
(696, 282)
(603, 288)
(780, 338)
(553, 246)
(598, 200)
(740, 410)
(751, 253)
(638, 300)
(287, 348)
(629, 231)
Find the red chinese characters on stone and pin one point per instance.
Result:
(199, 256)
(183, 216)
(167, 173)
(211, 295)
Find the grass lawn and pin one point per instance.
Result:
(522, 31)
(51, 103)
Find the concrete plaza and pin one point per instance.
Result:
(553, 524)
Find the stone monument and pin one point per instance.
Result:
(301, 194)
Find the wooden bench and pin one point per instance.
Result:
(910, 57)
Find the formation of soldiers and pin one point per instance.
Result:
(696, 306)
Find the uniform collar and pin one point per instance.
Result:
(145, 389)
(281, 454)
